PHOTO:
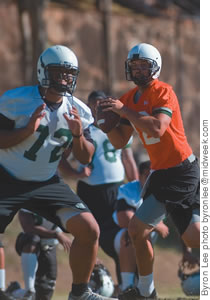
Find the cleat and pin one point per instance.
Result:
(14, 285)
(89, 295)
(29, 295)
(4, 296)
(134, 294)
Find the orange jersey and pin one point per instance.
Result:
(172, 148)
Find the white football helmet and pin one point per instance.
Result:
(101, 281)
(57, 68)
(143, 52)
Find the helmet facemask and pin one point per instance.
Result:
(101, 281)
(145, 70)
(62, 78)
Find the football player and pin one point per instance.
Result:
(128, 201)
(99, 182)
(153, 110)
(37, 124)
(37, 248)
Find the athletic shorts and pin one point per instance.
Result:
(174, 191)
(44, 198)
(100, 199)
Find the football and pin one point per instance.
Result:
(106, 120)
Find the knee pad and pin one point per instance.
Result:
(1, 245)
(25, 239)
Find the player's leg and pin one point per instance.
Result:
(86, 233)
(115, 244)
(2, 267)
(187, 219)
(110, 246)
(83, 252)
(73, 216)
(187, 222)
(150, 213)
(46, 273)
(191, 236)
(127, 258)
(11, 198)
(27, 246)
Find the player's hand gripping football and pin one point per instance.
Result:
(74, 121)
(112, 104)
(108, 116)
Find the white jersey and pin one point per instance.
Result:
(107, 166)
(38, 156)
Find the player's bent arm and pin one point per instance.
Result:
(68, 172)
(83, 150)
(162, 229)
(155, 126)
(44, 232)
(120, 135)
(10, 138)
(66, 169)
(27, 223)
(129, 163)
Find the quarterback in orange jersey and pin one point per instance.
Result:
(152, 109)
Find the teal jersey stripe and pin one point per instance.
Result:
(163, 110)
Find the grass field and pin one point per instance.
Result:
(165, 268)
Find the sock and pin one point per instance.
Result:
(2, 279)
(146, 285)
(29, 266)
(2, 268)
(79, 289)
(127, 280)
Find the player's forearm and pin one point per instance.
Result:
(67, 171)
(131, 171)
(148, 124)
(10, 138)
(129, 163)
(83, 150)
(44, 232)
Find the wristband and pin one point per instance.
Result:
(77, 136)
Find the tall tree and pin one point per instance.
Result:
(33, 35)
